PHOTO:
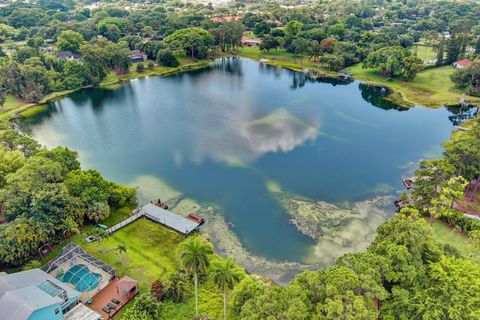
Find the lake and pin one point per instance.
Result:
(235, 136)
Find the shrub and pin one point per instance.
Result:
(140, 67)
(151, 65)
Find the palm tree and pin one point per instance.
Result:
(225, 276)
(194, 257)
(121, 249)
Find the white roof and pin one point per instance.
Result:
(81, 312)
(169, 219)
(21, 295)
(11, 307)
(31, 278)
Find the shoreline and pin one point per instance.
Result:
(394, 95)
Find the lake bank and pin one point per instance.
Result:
(267, 120)
(431, 88)
(13, 107)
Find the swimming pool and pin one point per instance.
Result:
(82, 278)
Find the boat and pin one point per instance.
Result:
(408, 183)
(195, 218)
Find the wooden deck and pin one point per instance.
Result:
(106, 295)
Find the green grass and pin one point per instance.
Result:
(283, 59)
(185, 64)
(444, 234)
(424, 52)
(430, 88)
(152, 253)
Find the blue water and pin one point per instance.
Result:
(220, 135)
(82, 278)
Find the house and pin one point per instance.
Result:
(35, 295)
(461, 64)
(250, 42)
(68, 55)
(137, 56)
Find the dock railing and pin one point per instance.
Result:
(125, 222)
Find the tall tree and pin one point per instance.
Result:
(69, 40)
(225, 275)
(454, 49)
(194, 256)
(440, 52)
(195, 41)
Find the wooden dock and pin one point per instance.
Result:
(159, 215)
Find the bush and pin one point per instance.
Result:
(140, 67)
(151, 65)
(166, 58)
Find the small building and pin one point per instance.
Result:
(35, 295)
(68, 55)
(127, 287)
(137, 56)
(250, 42)
(461, 64)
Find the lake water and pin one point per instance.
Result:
(222, 134)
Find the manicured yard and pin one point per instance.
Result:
(430, 88)
(185, 64)
(445, 234)
(424, 52)
(281, 58)
(152, 253)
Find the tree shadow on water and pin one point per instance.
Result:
(375, 95)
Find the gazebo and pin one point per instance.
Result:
(127, 287)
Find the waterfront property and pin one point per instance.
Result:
(137, 56)
(35, 295)
(250, 42)
(219, 136)
(162, 216)
(72, 286)
(114, 296)
(86, 273)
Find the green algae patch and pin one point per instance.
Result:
(335, 228)
(33, 111)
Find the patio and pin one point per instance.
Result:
(118, 293)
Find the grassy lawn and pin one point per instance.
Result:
(430, 88)
(424, 52)
(185, 64)
(445, 234)
(283, 59)
(152, 253)
(11, 105)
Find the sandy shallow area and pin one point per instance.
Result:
(335, 229)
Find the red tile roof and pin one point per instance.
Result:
(463, 62)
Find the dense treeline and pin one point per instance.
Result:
(333, 33)
(441, 183)
(46, 197)
(404, 274)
